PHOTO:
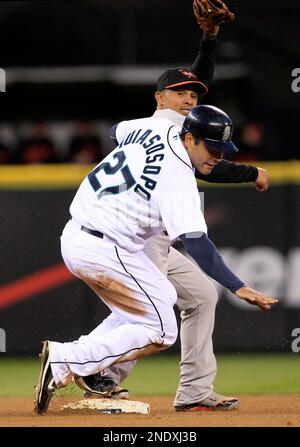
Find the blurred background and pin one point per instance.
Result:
(73, 69)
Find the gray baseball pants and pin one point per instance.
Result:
(196, 299)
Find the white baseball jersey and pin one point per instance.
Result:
(146, 185)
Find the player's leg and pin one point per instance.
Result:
(197, 299)
(106, 383)
(157, 250)
(134, 290)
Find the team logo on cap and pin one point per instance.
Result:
(189, 74)
(226, 133)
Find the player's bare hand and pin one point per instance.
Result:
(255, 298)
(262, 181)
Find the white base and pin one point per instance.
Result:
(109, 406)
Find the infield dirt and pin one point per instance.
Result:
(254, 411)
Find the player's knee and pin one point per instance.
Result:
(213, 296)
(210, 298)
(202, 304)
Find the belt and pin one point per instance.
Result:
(93, 232)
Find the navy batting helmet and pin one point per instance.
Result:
(212, 125)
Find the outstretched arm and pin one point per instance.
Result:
(209, 15)
(204, 252)
(205, 61)
(228, 172)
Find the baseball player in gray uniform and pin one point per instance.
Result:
(144, 187)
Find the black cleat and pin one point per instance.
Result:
(46, 385)
(96, 386)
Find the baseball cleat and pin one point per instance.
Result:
(96, 386)
(214, 402)
(46, 385)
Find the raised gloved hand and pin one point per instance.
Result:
(210, 14)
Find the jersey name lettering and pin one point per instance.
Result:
(146, 184)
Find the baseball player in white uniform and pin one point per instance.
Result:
(145, 186)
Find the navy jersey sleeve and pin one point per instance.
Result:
(205, 61)
(204, 252)
(112, 134)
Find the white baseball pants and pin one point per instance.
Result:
(141, 300)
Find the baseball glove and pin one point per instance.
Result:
(211, 13)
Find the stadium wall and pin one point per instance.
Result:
(257, 233)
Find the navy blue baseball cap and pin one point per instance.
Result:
(213, 126)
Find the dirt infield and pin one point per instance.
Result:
(254, 411)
